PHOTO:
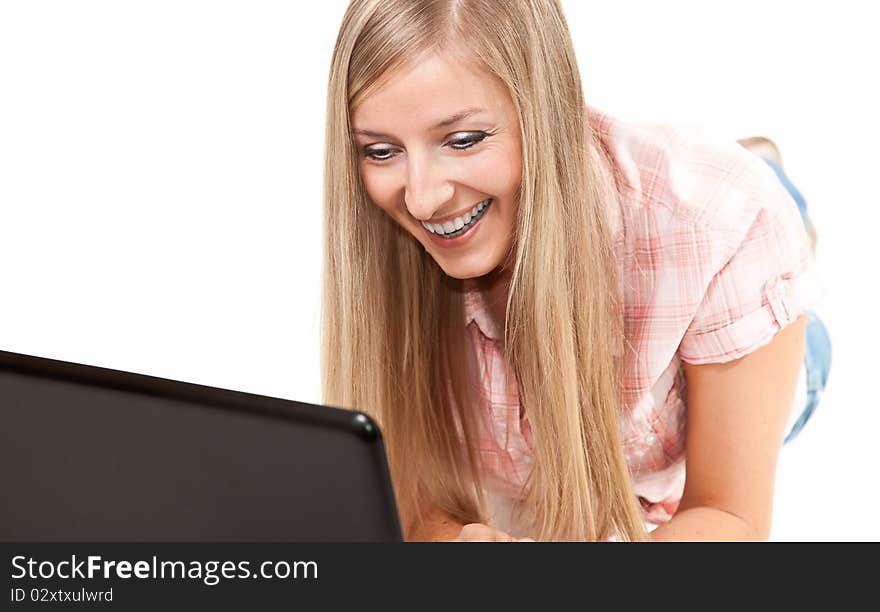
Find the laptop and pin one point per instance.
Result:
(91, 454)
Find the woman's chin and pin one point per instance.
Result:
(478, 260)
(463, 271)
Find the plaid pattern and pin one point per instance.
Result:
(713, 260)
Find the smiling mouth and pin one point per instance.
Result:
(461, 224)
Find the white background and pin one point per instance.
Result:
(160, 187)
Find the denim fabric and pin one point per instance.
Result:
(817, 354)
(817, 363)
(798, 198)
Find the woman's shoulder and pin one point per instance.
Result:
(713, 253)
(681, 175)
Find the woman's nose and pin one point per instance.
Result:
(427, 189)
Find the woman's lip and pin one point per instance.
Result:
(463, 238)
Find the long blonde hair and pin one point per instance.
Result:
(393, 335)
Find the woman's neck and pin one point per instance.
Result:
(495, 287)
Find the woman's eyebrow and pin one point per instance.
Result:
(459, 116)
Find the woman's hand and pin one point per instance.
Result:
(477, 532)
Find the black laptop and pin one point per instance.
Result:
(91, 454)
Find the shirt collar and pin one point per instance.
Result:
(476, 311)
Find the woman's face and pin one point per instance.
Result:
(439, 151)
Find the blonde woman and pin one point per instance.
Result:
(538, 302)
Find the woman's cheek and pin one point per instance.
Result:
(496, 172)
(510, 170)
(376, 188)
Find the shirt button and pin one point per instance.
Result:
(650, 439)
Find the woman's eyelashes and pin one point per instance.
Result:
(459, 144)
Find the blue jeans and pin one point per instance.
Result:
(817, 354)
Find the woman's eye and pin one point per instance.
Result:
(467, 143)
(459, 144)
(378, 154)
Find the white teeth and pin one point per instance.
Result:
(457, 223)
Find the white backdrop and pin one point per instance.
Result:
(160, 187)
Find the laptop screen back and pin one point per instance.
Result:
(147, 459)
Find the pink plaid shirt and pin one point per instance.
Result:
(713, 260)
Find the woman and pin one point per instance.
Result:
(538, 302)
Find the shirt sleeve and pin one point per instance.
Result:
(762, 274)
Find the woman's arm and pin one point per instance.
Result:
(736, 415)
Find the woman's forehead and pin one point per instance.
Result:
(430, 92)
